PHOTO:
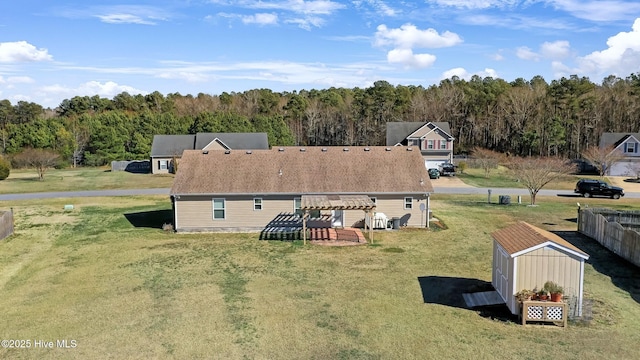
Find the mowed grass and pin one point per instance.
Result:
(107, 276)
(27, 181)
(502, 178)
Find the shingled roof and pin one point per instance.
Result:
(520, 237)
(297, 170)
(174, 145)
(397, 132)
(615, 139)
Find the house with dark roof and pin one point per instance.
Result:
(628, 144)
(433, 139)
(236, 190)
(166, 148)
(526, 257)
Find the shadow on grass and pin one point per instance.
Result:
(632, 180)
(150, 219)
(623, 274)
(448, 291)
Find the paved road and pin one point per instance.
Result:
(495, 192)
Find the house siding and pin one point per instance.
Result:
(155, 165)
(196, 212)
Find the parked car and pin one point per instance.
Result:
(589, 188)
(447, 170)
(434, 173)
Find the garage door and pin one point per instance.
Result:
(624, 168)
(430, 164)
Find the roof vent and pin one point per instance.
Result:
(303, 149)
(205, 152)
(409, 149)
(281, 149)
(367, 149)
(249, 152)
(280, 172)
(324, 149)
(345, 149)
(227, 152)
(387, 149)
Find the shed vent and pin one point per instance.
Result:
(205, 152)
(345, 149)
(227, 152)
(281, 149)
(303, 149)
(367, 149)
(409, 149)
(387, 149)
(249, 152)
(324, 149)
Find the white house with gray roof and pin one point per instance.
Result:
(629, 145)
(166, 148)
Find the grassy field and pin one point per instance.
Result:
(106, 276)
(501, 178)
(26, 181)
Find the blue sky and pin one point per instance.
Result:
(55, 50)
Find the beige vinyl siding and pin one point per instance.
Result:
(214, 145)
(391, 206)
(194, 213)
(155, 165)
(539, 266)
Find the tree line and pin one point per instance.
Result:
(523, 117)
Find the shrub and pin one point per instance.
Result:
(5, 168)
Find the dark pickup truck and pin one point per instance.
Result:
(447, 170)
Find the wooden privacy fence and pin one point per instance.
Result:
(615, 230)
(6, 224)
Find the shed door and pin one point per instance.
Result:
(502, 274)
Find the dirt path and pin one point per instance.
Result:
(450, 182)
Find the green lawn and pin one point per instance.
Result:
(106, 276)
(26, 181)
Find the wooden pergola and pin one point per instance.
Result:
(336, 202)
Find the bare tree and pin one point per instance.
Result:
(602, 158)
(536, 172)
(39, 159)
(486, 159)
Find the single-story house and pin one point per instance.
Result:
(166, 148)
(526, 257)
(237, 190)
(433, 139)
(628, 144)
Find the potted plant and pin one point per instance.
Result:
(555, 290)
(524, 295)
(542, 294)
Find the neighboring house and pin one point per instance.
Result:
(432, 138)
(526, 257)
(629, 145)
(166, 148)
(249, 190)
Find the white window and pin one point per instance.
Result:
(163, 164)
(408, 203)
(631, 147)
(414, 142)
(297, 204)
(257, 203)
(219, 209)
(430, 144)
(443, 144)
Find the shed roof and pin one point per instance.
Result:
(299, 170)
(398, 131)
(523, 237)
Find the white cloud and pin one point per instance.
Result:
(409, 36)
(598, 10)
(22, 51)
(314, 7)
(475, 4)
(261, 19)
(407, 58)
(108, 89)
(124, 19)
(462, 73)
(525, 53)
(622, 56)
(307, 23)
(555, 50)
(379, 7)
